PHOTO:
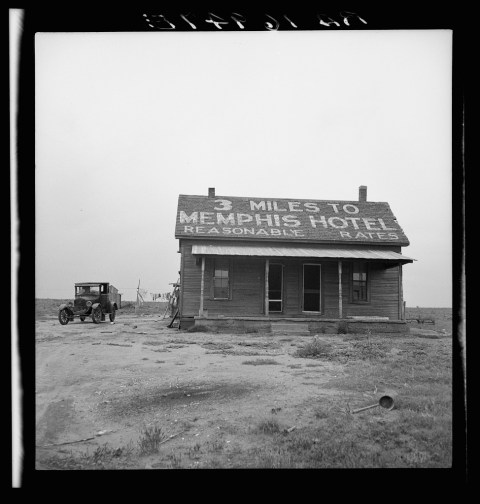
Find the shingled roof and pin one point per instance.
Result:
(293, 220)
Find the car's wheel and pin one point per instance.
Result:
(82, 318)
(63, 317)
(112, 315)
(97, 315)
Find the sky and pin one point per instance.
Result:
(125, 122)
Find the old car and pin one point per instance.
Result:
(92, 299)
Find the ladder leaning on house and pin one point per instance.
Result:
(173, 320)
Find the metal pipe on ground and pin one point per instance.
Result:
(384, 401)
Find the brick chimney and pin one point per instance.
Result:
(211, 192)
(362, 193)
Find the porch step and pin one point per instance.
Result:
(294, 328)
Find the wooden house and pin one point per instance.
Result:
(258, 263)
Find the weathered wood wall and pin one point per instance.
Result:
(247, 282)
(190, 276)
(292, 288)
(384, 293)
(247, 279)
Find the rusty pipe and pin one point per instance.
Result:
(384, 401)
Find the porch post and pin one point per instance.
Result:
(202, 283)
(267, 267)
(340, 305)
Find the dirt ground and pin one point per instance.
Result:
(101, 385)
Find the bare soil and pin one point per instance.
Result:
(99, 387)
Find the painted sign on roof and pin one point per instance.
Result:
(229, 217)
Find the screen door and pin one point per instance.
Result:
(275, 288)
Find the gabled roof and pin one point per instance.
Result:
(287, 220)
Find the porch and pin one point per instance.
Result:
(322, 285)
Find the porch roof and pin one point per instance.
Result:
(317, 252)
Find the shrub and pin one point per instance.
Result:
(150, 440)
(316, 348)
(268, 426)
(320, 413)
(342, 327)
(105, 454)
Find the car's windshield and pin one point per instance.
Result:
(87, 289)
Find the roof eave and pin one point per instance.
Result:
(312, 242)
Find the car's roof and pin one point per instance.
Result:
(90, 283)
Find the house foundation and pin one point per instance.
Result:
(295, 325)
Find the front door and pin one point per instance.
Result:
(311, 288)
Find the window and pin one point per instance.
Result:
(221, 288)
(88, 289)
(359, 282)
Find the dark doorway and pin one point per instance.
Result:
(311, 288)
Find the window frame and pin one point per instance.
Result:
(366, 267)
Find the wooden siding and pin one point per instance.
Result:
(247, 288)
(247, 280)
(330, 289)
(383, 285)
(190, 282)
(291, 288)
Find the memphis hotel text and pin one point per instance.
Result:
(282, 219)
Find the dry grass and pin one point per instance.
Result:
(417, 433)
(315, 349)
(261, 362)
(268, 426)
(150, 439)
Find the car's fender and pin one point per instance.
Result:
(95, 305)
(65, 306)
